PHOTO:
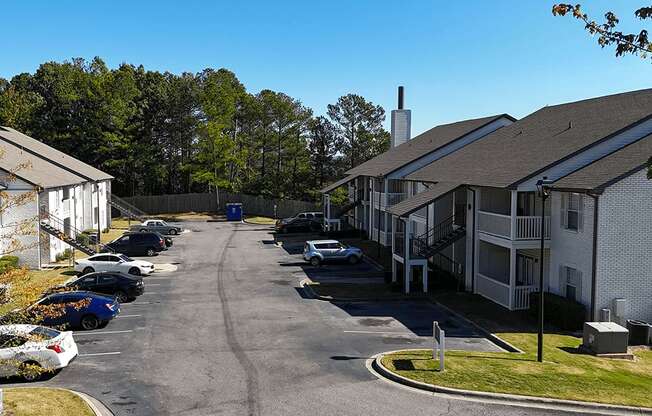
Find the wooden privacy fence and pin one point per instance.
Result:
(204, 202)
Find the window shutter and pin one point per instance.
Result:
(562, 281)
(562, 214)
(580, 213)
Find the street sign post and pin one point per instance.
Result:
(439, 344)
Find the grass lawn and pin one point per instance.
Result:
(563, 375)
(43, 401)
(25, 292)
(261, 220)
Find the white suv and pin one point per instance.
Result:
(319, 251)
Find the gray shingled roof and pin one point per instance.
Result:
(526, 147)
(397, 157)
(337, 184)
(422, 199)
(603, 172)
(33, 169)
(51, 154)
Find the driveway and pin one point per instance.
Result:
(230, 333)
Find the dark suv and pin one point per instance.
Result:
(123, 287)
(138, 244)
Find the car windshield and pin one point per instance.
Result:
(125, 258)
(44, 333)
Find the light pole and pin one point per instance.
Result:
(543, 189)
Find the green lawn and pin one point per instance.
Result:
(25, 291)
(43, 401)
(261, 220)
(564, 374)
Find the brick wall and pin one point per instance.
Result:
(624, 263)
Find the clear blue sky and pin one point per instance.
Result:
(456, 59)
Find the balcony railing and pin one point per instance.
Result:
(527, 227)
(522, 296)
(387, 200)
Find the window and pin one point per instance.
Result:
(66, 194)
(301, 216)
(571, 283)
(43, 332)
(159, 224)
(11, 341)
(310, 216)
(99, 258)
(90, 280)
(571, 215)
(124, 239)
(107, 279)
(321, 246)
(113, 259)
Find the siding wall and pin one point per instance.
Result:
(624, 263)
(30, 256)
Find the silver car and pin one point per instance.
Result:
(159, 226)
(319, 251)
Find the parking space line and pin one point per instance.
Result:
(381, 333)
(153, 284)
(99, 354)
(128, 316)
(101, 332)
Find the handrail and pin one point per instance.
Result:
(58, 223)
(421, 243)
(127, 205)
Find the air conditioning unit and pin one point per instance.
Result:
(605, 338)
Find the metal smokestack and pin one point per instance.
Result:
(400, 97)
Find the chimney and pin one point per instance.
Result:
(401, 120)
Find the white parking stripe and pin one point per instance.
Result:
(153, 284)
(102, 332)
(99, 353)
(380, 333)
(150, 293)
(128, 316)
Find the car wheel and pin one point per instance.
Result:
(89, 322)
(173, 232)
(121, 296)
(134, 271)
(31, 371)
(315, 261)
(150, 252)
(88, 270)
(142, 230)
(353, 259)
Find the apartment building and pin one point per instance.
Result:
(483, 213)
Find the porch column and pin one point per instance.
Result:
(512, 277)
(365, 212)
(407, 266)
(372, 210)
(424, 277)
(512, 216)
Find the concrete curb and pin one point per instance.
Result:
(96, 406)
(509, 399)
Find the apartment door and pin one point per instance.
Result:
(526, 270)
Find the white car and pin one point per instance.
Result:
(31, 350)
(108, 262)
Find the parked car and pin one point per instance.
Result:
(137, 244)
(319, 251)
(299, 225)
(31, 350)
(109, 262)
(78, 309)
(158, 226)
(120, 285)
(314, 215)
(168, 240)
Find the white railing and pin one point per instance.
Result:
(493, 289)
(496, 224)
(385, 200)
(522, 296)
(529, 228)
(351, 194)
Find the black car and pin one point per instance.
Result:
(137, 244)
(122, 286)
(168, 240)
(299, 225)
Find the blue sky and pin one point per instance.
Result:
(457, 60)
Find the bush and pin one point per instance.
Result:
(84, 239)
(559, 311)
(64, 256)
(8, 263)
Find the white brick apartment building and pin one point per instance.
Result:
(477, 207)
(67, 195)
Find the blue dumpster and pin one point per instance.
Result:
(234, 211)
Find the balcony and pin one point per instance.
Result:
(388, 199)
(526, 227)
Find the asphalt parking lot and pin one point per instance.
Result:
(230, 332)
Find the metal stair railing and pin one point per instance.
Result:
(127, 209)
(67, 233)
(442, 235)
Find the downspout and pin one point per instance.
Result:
(378, 221)
(99, 221)
(594, 274)
(38, 226)
(473, 243)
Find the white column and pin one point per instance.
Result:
(512, 277)
(407, 266)
(365, 212)
(424, 276)
(514, 200)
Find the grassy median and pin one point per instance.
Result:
(260, 220)
(565, 374)
(43, 401)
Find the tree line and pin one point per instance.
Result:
(160, 133)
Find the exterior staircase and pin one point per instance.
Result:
(67, 233)
(439, 237)
(127, 210)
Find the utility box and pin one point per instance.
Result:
(234, 211)
(605, 338)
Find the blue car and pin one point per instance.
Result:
(86, 310)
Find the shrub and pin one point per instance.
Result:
(84, 239)
(8, 263)
(64, 256)
(559, 311)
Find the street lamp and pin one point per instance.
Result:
(543, 190)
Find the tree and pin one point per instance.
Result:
(323, 146)
(359, 124)
(607, 33)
